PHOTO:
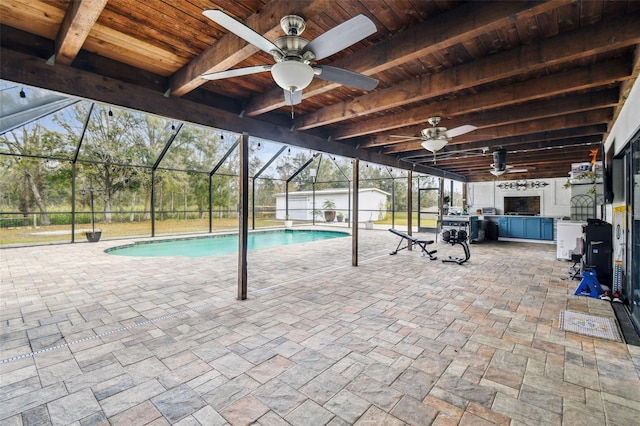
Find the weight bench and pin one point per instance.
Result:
(412, 240)
(454, 237)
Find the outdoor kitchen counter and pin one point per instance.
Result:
(523, 227)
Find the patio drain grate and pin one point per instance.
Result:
(590, 325)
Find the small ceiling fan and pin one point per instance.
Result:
(293, 54)
(500, 166)
(435, 138)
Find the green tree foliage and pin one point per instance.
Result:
(30, 183)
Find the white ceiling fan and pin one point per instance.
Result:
(293, 54)
(434, 138)
(500, 166)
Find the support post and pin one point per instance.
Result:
(354, 216)
(153, 202)
(73, 202)
(243, 216)
(253, 203)
(210, 203)
(409, 205)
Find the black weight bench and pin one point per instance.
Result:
(412, 240)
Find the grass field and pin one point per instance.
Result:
(62, 233)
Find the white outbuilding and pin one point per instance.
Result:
(372, 203)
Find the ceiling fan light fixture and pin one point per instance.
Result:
(292, 75)
(435, 133)
(497, 172)
(434, 145)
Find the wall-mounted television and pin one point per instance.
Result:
(526, 205)
(607, 174)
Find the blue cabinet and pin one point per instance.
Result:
(503, 227)
(526, 228)
(516, 227)
(532, 228)
(547, 229)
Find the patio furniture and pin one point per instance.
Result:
(415, 241)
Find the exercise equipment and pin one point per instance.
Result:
(414, 241)
(454, 237)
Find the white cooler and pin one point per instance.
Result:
(568, 238)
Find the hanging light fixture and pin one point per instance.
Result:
(292, 75)
(434, 145)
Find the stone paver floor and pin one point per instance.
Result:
(89, 338)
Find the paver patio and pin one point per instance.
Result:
(90, 338)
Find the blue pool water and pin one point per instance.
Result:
(220, 244)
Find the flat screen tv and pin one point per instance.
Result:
(527, 205)
(607, 175)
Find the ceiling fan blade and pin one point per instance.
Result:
(292, 98)
(241, 30)
(341, 36)
(457, 131)
(236, 72)
(346, 77)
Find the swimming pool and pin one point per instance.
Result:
(221, 244)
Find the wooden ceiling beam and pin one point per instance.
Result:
(501, 96)
(564, 48)
(585, 134)
(450, 28)
(528, 149)
(230, 49)
(451, 163)
(519, 157)
(539, 110)
(525, 127)
(33, 71)
(78, 21)
(578, 136)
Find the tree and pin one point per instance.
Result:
(23, 170)
(289, 164)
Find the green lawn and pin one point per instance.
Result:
(62, 233)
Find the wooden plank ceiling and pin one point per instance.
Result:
(542, 79)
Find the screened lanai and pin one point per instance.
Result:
(72, 166)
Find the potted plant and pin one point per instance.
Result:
(287, 222)
(340, 216)
(586, 177)
(329, 207)
(93, 236)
